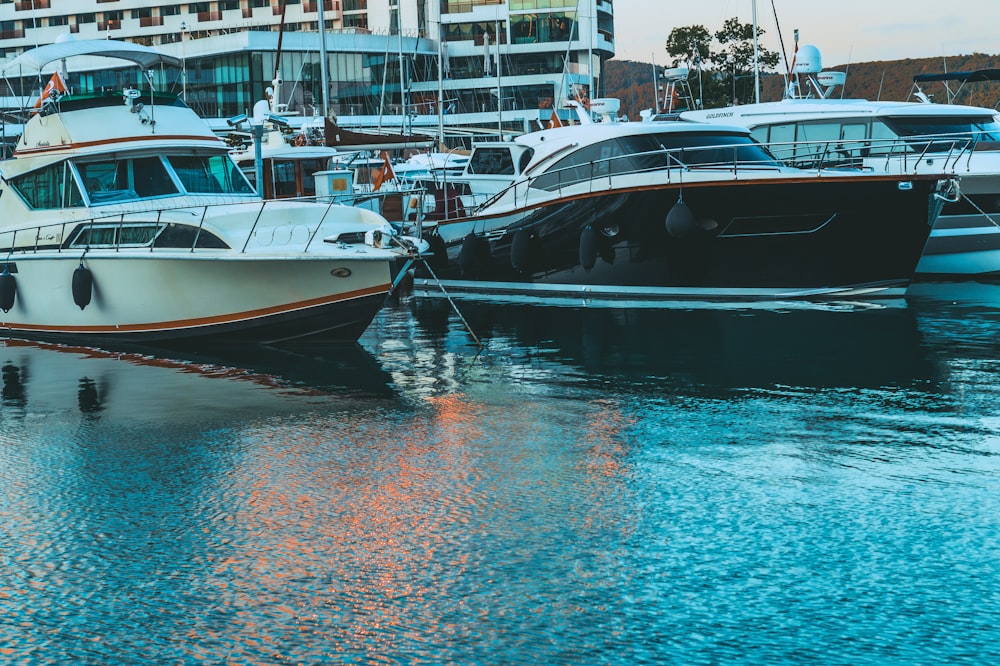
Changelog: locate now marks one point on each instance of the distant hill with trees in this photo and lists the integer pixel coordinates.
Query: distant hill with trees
(724, 59)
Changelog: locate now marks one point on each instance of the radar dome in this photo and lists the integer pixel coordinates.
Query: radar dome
(808, 60)
(65, 37)
(828, 79)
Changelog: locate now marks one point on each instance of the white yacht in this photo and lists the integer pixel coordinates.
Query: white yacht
(813, 127)
(123, 217)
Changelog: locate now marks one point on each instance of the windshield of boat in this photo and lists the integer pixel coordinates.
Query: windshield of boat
(654, 151)
(136, 178)
(213, 174)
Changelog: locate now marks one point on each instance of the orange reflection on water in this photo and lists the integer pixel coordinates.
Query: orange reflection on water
(354, 541)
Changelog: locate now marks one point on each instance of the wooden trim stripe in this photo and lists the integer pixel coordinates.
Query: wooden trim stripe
(202, 321)
(214, 142)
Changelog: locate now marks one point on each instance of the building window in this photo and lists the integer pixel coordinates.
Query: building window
(550, 27)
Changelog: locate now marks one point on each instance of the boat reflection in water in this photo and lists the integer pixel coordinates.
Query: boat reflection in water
(723, 347)
(182, 388)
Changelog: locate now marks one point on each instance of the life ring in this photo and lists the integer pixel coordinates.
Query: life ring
(300, 140)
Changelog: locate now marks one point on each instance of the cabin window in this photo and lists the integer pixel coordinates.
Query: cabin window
(955, 132)
(698, 149)
(47, 188)
(781, 140)
(491, 161)
(216, 174)
(115, 235)
(143, 234)
(283, 173)
(187, 236)
(883, 139)
(112, 181)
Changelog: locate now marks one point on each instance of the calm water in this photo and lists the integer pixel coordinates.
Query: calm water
(629, 486)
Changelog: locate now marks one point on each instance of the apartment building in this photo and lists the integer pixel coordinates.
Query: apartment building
(391, 63)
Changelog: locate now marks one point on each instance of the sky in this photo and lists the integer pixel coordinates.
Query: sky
(845, 31)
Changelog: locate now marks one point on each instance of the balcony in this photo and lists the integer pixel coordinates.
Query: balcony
(310, 7)
(149, 21)
(12, 34)
(204, 17)
(28, 5)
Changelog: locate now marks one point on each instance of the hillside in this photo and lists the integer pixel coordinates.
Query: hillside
(631, 81)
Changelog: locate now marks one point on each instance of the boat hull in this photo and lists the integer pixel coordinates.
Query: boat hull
(752, 239)
(965, 241)
(187, 297)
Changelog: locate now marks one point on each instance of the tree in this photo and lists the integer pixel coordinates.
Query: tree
(691, 44)
(735, 61)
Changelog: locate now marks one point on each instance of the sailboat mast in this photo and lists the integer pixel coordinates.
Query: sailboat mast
(499, 95)
(324, 78)
(276, 81)
(756, 57)
(440, 104)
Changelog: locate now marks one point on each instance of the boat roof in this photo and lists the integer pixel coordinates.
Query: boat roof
(36, 59)
(965, 77)
(583, 134)
(751, 115)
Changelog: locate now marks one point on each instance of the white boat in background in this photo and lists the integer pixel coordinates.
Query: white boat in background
(123, 217)
(813, 127)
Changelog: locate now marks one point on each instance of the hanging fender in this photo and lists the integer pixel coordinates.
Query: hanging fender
(83, 286)
(680, 220)
(473, 254)
(8, 290)
(520, 250)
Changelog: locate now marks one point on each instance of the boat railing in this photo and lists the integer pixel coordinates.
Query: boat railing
(898, 156)
(893, 155)
(138, 229)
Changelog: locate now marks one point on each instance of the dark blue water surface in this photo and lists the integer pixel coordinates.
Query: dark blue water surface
(596, 486)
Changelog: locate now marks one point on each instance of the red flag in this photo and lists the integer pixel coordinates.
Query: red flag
(55, 84)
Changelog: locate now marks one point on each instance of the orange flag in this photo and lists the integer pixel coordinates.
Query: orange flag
(55, 84)
(554, 120)
(386, 173)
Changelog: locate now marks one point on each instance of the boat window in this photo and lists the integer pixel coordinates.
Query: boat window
(114, 235)
(284, 178)
(711, 149)
(186, 236)
(525, 159)
(50, 187)
(215, 174)
(955, 132)
(883, 139)
(645, 152)
(309, 169)
(491, 161)
(112, 181)
(781, 141)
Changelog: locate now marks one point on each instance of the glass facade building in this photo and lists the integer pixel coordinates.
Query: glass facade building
(388, 61)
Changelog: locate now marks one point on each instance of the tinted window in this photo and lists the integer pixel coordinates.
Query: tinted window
(644, 152)
(492, 161)
(216, 174)
(51, 187)
(111, 181)
(955, 132)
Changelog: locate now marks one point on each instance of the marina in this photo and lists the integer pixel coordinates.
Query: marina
(381, 332)
(612, 486)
